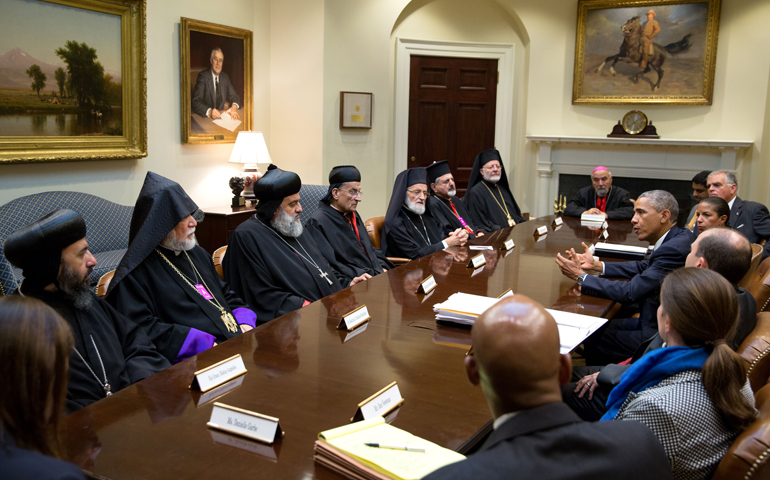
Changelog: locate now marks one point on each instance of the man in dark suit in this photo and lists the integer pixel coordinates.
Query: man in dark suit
(213, 94)
(720, 249)
(750, 218)
(654, 221)
(601, 198)
(516, 361)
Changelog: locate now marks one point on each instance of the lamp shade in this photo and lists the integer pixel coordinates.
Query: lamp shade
(250, 148)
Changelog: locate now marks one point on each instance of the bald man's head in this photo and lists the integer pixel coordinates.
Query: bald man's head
(516, 356)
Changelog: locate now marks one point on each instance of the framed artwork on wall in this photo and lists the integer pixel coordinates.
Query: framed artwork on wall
(216, 81)
(78, 91)
(356, 110)
(646, 52)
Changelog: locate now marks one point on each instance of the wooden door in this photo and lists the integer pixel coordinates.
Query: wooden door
(451, 112)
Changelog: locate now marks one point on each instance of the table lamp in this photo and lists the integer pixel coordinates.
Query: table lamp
(249, 149)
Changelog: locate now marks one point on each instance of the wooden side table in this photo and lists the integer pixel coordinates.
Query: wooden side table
(220, 223)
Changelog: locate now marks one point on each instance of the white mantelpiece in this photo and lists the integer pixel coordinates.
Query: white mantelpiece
(633, 157)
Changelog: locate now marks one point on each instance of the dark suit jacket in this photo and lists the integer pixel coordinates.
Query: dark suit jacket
(619, 207)
(20, 464)
(751, 219)
(646, 277)
(551, 442)
(203, 94)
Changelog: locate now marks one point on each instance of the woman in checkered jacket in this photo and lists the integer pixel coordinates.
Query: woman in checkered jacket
(693, 394)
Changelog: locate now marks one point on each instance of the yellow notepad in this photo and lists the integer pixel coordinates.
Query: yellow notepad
(399, 464)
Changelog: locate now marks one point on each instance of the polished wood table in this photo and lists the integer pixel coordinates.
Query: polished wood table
(311, 376)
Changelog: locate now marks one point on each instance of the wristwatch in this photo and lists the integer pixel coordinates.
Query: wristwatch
(582, 279)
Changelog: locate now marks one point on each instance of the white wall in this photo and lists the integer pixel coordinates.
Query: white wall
(202, 170)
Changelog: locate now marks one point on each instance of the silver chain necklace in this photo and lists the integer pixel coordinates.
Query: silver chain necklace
(309, 259)
(106, 384)
(426, 240)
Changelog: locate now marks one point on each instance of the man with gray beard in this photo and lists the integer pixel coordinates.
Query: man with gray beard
(111, 351)
(168, 284)
(489, 198)
(449, 212)
(272, 261)
(601, 198)
(410, 230)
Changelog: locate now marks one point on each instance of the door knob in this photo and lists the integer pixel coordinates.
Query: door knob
(413, 159)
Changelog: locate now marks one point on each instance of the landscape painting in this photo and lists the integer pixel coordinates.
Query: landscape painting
(63, 74)
(646, 52)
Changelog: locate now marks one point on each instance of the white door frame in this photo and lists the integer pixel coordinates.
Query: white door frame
(503, 52)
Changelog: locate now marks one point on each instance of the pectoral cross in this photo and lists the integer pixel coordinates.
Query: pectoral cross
(325, 276)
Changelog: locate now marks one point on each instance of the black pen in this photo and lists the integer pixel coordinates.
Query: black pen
(395, 447)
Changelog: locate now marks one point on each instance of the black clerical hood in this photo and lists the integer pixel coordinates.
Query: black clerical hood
(36, 248)
(272, 188)
(436, 170)
(482, 159)
(339, 175)
(404, 180)
(161, 205)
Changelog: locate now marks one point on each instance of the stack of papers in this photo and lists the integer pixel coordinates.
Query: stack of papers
(464, 309)
(344, 451)
(592, 218)
(227, 122)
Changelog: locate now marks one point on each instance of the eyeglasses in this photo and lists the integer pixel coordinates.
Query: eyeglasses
(354, 192)
(419, 193)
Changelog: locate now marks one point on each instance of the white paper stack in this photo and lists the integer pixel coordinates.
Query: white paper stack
(592, 218)
(463, 308)
(574, 328)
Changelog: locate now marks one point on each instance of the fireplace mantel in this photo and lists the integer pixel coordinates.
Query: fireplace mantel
(676, 159)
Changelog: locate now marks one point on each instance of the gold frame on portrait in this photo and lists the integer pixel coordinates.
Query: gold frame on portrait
(133, 142)
(187, 25)
(709, 60)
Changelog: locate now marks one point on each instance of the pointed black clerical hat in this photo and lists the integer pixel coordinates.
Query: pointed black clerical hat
(36, 248)
(437, 169)
(272, 188)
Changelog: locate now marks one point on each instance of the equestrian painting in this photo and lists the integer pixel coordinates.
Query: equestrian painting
(635, 52)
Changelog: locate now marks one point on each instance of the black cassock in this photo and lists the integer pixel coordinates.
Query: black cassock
(127, 353)
(413, 236)
(442, 211)
(487, 210)
(619, 207)
(349, 256)
(264, 271)
(177, 318)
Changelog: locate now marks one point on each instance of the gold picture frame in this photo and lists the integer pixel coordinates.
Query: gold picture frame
(609, 68)
(198, 41)
(132, 142)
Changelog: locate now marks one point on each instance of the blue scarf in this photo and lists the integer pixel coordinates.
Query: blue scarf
(650, 370)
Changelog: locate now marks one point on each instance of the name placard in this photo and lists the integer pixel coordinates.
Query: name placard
(477, 261)
(427, 285)
(244, 423)
(380, 404)
(605, 234)
(557, 222)
(354, 319)
(218, 373)
(220, 391)
(541, 230)
(508, 245)
(605, 225)
(507, 293)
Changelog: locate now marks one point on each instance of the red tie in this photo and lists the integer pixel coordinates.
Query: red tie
(460, 218)
(351, 218)
(601, 203)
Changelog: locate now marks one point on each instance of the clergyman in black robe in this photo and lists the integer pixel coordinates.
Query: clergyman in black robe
(272, 261)
(489, 199)
(448, 211)
(337, 224)
(410, 230)
(601, 198)
(168, 284)
(111, 351)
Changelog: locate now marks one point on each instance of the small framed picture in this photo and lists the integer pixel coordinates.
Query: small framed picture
(356, 110)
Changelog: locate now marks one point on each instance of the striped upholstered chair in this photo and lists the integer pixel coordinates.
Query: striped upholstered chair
(309, 196)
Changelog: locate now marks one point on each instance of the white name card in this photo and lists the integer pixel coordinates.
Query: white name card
(507, 293)
(380, 404)
(605, 225)
(541, 230)
(477, 261)
(427, 285)
(244, 423)
(244, 444)
(220, 391)
(354, 319)
(218, 373)
(557, 222)
(508, 245)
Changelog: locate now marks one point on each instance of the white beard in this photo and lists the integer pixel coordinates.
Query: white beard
(286, 225)
(413, 207)
(452, 192)
(491, 178)
(172, 243)
(602, 191)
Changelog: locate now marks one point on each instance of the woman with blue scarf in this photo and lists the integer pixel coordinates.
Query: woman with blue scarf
(693, 394)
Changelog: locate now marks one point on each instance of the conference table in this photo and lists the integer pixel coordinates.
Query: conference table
(312, 376)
